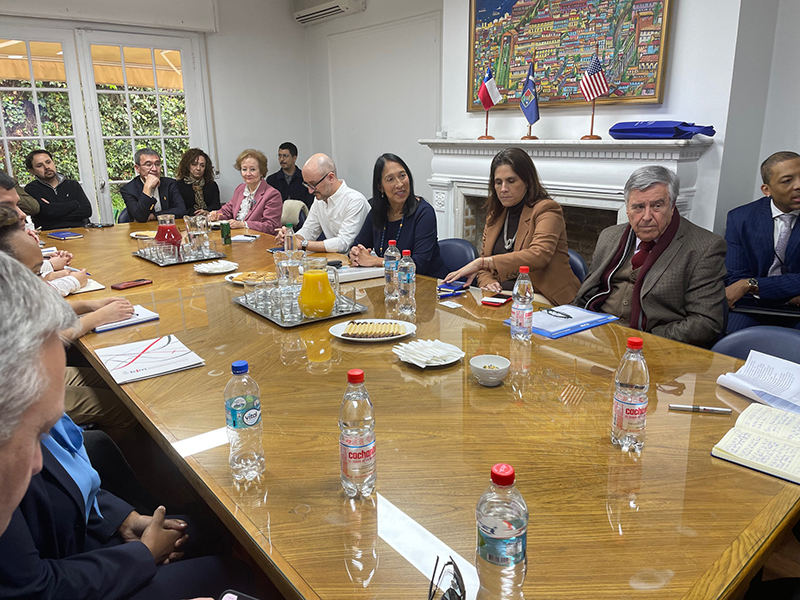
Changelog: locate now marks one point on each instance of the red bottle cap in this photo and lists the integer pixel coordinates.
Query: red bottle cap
(406, 252)
(635, 343)
(524, 269)
(393, 242)
(355, 376)
(503, 474)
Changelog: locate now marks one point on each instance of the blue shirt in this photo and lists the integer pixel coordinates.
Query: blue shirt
(65, 443)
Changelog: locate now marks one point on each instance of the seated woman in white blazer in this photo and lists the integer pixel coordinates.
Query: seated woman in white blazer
(255, 204)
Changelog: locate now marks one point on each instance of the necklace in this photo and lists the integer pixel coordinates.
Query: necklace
(383, 234)
(508, 243)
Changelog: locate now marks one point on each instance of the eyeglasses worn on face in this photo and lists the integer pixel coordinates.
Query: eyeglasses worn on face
(455, 591)
(150, 164)
(312, 186)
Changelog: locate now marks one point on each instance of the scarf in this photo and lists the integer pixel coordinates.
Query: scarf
(638, 318)
(197, 186)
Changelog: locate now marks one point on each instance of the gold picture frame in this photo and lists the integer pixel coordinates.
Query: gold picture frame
(632, 37)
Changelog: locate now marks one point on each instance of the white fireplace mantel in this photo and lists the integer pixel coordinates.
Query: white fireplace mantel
(584, 173)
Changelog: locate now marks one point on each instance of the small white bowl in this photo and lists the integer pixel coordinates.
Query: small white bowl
(489, 377)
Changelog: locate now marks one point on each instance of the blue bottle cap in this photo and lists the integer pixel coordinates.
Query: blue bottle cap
(239, 367)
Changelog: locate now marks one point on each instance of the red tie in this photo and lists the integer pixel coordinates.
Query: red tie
(641, 254)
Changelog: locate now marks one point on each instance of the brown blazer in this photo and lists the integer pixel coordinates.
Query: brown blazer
(542, 245)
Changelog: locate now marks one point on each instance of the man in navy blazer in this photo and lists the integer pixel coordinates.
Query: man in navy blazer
(149, 194)
(763, 258)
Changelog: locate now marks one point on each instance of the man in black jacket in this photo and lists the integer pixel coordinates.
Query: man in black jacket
(62, 201)
(149, 194)
(289, 180)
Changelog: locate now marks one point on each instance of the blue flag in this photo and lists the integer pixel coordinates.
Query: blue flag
(529, 102)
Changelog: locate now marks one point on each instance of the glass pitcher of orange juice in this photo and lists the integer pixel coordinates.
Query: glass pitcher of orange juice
(316, 295)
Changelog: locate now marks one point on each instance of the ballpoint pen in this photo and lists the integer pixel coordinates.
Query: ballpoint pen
(451, 294)
(715, 410)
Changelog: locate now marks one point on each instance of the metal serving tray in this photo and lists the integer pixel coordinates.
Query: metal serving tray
(211, 256)
(357, 309)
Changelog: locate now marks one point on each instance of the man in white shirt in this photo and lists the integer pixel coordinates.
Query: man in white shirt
(338, 211)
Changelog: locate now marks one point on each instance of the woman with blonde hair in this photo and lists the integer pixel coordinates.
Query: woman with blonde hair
(255, 204)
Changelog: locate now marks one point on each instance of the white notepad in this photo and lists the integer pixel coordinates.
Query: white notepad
(358, 273)
(140, 315)
(91, 286)
(149, 358)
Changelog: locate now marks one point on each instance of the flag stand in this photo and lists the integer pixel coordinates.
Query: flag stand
(486, 135)
(591, 135)
(529, 136)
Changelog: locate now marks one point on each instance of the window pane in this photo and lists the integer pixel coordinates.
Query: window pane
(173, 115)
(14, 69)
(48, 65)
(119, 159)
(107, 66)
(113, 114)
(139, 69)
(54, 113)
(18, 150)
(19, 114)
(117, 203)
(144, 114)
(65, 156)
(168, 69)
(3, 164)
(174, 149)
(152, 143)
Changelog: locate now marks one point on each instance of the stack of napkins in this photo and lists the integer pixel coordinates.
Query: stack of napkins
(428, 353)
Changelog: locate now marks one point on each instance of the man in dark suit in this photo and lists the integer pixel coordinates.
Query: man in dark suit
(289, 180)
(149, 194)
(763, 257)
(658, 273)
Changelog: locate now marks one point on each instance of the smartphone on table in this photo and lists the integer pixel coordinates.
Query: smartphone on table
(129, 284)
(497, 299)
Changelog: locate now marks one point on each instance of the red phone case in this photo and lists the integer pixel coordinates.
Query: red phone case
(129, 284)
(506, 301)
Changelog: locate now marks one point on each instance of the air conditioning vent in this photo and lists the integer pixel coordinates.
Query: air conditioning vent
(310, 12)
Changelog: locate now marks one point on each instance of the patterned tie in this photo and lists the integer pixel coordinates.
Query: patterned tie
(777, 267)
(641, 254)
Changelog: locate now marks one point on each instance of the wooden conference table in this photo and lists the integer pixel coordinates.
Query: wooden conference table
(676, 523)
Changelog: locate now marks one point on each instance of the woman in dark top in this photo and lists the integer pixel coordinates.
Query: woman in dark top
(397, 214)
(195, 179)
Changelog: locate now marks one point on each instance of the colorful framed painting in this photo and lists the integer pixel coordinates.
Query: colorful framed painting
(631, 38)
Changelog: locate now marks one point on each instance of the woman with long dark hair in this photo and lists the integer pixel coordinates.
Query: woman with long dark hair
(523, 227)
(398, 214)
(195, 179)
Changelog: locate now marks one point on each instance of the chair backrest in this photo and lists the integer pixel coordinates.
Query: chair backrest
(123, 217)
(578, 265)
(294, 212)
(456, 253)
(782, 342)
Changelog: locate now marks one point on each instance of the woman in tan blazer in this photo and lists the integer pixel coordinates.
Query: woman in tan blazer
(523, 227)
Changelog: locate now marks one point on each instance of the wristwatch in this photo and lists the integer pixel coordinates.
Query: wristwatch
(304, 244)
(753, 283)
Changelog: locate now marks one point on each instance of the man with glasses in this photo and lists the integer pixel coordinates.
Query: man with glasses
(338, 212)
(658, 273)
(149, 194)
(289, 180)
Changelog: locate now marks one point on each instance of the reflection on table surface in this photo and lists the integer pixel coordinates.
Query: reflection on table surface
(671, 523)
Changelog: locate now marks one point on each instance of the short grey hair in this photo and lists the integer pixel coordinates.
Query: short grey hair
(32, 312)
(646, 177)
(144, 152)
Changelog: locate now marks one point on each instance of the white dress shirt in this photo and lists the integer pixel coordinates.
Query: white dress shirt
(66, 285)
(340, 219)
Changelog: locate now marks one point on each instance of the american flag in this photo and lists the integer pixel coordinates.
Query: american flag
(593, 83)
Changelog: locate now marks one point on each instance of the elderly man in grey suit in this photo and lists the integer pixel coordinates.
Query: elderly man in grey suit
(659, 273)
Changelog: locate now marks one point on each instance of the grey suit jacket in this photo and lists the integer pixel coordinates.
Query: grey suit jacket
(683, 292)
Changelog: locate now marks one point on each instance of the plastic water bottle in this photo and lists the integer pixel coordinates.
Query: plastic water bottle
(501, 557)
(390, 259)
(407, 283)
(289, 241)
(243, 418)
(357, 440)
(629, 414)
(522, 308)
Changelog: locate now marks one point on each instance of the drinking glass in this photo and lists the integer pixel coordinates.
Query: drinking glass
(272, 300)
(290, 308)
(347, 298)
(146, 247)
(287, 266)
(251, 294)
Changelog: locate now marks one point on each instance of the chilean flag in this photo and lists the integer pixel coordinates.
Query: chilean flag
(488, 93)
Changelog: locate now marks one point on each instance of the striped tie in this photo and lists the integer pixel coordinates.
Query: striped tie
(777, 267)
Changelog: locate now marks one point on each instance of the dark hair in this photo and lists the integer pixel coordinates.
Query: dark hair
(774, 159)
(188, 158)
(9, 225)
(31, 154)
(380, 204)
(523, 166)
(7, 182)
(144, 152)
(290, 147)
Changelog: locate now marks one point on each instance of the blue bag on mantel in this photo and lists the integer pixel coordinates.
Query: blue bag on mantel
(658, 130)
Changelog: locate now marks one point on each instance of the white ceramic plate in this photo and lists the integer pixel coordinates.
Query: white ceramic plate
(216, 268)
(143, 235)
(338, 329)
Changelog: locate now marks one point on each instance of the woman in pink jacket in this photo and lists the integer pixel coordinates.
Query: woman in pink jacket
(255, 203)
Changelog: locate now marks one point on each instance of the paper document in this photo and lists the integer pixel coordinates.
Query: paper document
(245, 238)
(140, 315)
(766, 379)
(558, 321)
(359, 273)
(149, 358)
(91, 286)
